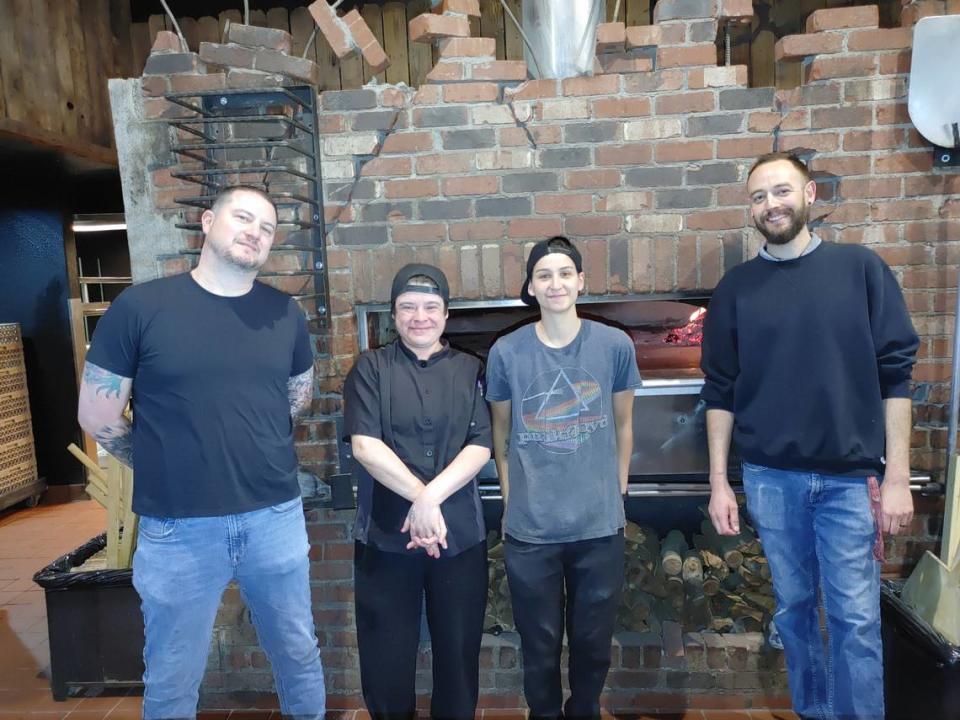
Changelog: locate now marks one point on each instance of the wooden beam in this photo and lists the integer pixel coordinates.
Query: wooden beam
(23, 136)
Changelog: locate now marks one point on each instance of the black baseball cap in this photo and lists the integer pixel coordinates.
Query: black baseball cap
(556, 244)
(401, 282)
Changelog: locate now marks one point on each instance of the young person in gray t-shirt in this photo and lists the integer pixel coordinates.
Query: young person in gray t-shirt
(561, 394)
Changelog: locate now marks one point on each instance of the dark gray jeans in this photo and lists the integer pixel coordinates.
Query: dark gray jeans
(572, 585)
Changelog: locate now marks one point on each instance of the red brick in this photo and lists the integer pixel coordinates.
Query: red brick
(500, 70)
(512, 137)
(668, 152)
(611, 37)
(827, 117)
(160, 108)
(824, 68)
(447, 71)
(468, 47)
(900, 255)
(797, 47)
(256, 37)
(733, 9)
(167, 42)
(622, 64)
(859, 140)
(932, 185)
(869, 188)
(903, 210)
(562, 204)
(532, 90)
(444, 163)
(887, 39)
(386, 167)
(821, 142)
(716, 220)
(535, 228)
(582, 179)
(636, 154)
(904, 163)
(483, 185)
(597, 85)
(154, 85)
(410, 188)
(462, 7)
(743, 147)
(841, 166)
(687, 55)
(546, 134)
(477, 230)
(839, 18)
(408, 142)
(686, 103)
(427, 95)
(332, 28)
(592, 225)
(892, 114)
(471, 92)
(376, 57)
(895, 63)
(419, 233)
(643, 36)
(428, 27)
(621, 107)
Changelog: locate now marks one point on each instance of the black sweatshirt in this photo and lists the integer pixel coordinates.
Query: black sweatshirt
(803, 352)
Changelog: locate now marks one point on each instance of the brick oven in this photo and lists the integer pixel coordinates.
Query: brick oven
(642, 164)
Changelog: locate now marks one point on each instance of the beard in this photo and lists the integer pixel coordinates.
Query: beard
(798, 219)
(235, 256)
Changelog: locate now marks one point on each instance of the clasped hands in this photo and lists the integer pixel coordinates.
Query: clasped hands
(425, 524)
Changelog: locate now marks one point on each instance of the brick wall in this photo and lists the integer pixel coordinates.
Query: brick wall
(643, 165)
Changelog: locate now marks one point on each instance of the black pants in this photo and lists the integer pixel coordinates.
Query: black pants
(390, 588)
(576, 584)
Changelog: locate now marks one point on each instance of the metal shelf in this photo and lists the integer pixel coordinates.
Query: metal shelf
(218, 113)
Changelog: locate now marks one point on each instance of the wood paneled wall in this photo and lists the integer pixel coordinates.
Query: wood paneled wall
(55, 59)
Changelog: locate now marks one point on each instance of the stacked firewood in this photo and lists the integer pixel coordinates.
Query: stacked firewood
(499, 617)
(713, 582)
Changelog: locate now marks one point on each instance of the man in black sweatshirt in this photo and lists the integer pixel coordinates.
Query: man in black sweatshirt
(808, 351)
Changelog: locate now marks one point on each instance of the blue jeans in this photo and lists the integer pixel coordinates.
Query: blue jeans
(180, 570)
(817, 533)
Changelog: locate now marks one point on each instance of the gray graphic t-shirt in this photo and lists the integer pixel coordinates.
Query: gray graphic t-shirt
(562, 447)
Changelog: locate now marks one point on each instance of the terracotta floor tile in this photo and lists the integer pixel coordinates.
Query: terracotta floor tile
(34, 699)
(726, 714)
(773, 715)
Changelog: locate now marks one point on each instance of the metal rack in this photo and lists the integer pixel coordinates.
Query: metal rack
(267, 138)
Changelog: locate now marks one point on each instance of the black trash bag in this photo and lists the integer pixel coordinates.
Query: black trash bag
(57, 575)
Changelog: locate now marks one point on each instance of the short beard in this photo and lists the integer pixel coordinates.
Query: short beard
(799, 219)
(239, 262)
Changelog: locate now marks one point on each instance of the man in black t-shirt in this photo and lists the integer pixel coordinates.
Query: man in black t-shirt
(420, 432)
(217, 367)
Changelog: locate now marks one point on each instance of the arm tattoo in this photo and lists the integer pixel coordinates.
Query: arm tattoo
(104, 382)
(117, 439)
(300, 393)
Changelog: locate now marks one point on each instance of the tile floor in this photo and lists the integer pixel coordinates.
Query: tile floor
(32, 538)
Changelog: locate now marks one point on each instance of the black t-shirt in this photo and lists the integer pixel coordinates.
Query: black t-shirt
(434, 409)
(212, 432)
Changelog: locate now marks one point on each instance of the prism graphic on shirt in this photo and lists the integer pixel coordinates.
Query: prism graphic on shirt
(561, 409)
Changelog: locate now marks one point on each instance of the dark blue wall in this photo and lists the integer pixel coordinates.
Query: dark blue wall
(33, 292)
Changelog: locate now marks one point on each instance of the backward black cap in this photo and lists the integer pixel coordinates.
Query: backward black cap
(402, 279)
(556, 244)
